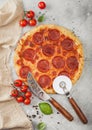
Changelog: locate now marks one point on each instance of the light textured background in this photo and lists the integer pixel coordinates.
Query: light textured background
(76, 15)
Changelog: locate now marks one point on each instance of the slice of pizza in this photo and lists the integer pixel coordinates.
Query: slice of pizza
(48, 51)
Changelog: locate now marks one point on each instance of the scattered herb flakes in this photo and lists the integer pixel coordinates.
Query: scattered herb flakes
(40, 117)
(58, 122)
(35, 106)
(41, 18)
(33, 116)
(53, 18)
(41, 126)
(58, 113)
(29, 116)
(37, 112)
(45, 108)
(39, 12)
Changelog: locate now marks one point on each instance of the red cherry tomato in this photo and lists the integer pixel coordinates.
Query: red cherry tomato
(41, 5)
(18, 82)
(27, 101)
(32, 22)
(14, 93)
(28, 94)
(30, 14)
(20, 99)
(23, 22)
(24, 88)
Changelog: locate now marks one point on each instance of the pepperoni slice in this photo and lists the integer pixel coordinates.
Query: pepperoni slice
(24, 71)
(36, 74)
(48, 50)
(54, 73)
(38, 38)
(58, 62)
(54, 34)
(29, 54)
(67, 44)
(19, 62)
(72, 63)
(64, 73)
(43, 65)
(44, 81)
(26, 42)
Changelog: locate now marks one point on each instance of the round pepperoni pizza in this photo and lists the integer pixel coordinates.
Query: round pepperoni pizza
(48, 51)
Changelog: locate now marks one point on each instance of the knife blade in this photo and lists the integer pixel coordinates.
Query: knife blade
(39, 92)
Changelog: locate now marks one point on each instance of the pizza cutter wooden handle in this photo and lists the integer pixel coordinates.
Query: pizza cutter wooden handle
(61, 109)
(78, 110)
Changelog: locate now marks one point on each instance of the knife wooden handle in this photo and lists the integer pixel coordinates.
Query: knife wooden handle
(78, 110)
(61, 109)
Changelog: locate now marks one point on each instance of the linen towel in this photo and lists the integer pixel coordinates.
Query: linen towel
(12, 116)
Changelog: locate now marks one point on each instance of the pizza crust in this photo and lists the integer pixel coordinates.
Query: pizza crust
(64, 31)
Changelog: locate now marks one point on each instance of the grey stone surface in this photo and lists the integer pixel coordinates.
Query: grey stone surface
(76, 15)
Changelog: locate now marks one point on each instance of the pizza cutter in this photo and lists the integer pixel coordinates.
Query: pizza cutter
(62, 85)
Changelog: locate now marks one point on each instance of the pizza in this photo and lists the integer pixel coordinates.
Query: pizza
(48, 51)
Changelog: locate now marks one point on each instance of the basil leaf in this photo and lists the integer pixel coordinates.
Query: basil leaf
(41, 126)
(41, 18)
(45, 108)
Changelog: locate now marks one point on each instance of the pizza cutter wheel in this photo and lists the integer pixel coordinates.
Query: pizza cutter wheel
(62, 85)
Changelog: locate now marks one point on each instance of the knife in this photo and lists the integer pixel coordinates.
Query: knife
(39, 92)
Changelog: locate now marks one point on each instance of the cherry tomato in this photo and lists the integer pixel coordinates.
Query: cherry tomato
(32, 22)
(24, 88)
(14, 93)
(28, 94)
(23, 22)
(27, 101)
(20, 99)
(41, 5)
(18, 82)
(30, 14)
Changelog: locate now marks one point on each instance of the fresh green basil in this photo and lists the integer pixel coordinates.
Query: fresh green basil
(41, 126)
(41, 18)
(45, 108)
